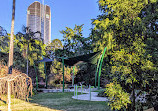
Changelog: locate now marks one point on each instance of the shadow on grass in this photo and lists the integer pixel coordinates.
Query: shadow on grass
(3, 102)
(64, 101)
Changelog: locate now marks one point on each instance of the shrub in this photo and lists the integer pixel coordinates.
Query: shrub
(102, 93)
(34, 91)
(118, 98)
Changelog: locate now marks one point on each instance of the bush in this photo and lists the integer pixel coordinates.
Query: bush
(102, 93)
(118, 98)
(34, 91)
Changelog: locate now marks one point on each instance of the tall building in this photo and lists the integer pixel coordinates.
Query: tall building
(39, 19)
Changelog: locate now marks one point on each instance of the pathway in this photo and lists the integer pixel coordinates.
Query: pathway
(79, 97)
(93, 97)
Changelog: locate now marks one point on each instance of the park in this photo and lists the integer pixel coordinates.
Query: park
(114, 68)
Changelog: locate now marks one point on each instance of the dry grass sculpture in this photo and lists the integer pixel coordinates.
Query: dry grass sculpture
(17, 84)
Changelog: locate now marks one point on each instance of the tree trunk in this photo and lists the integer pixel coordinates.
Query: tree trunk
(10, 62)
(133, 102)
(27, 71)
(27, 66)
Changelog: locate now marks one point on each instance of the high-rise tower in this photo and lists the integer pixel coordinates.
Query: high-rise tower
(39, 19)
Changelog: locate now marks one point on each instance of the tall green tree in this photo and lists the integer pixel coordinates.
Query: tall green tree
(123, 31)
(149, 16)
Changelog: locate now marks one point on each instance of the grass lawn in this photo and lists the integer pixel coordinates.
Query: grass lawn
(55, 102)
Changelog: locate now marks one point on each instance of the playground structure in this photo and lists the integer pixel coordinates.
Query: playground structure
(72, 62)
(87, 94)
(76, 91)
(99, 66)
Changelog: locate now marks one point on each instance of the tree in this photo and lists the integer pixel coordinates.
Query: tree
(31, 45)
(10, 63)
(57, 73)
(123, 31)
(149, 18)
(3, 32)
(4, 40)
(51, 48)
(74, 42)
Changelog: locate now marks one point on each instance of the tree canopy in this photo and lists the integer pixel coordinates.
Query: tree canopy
(130, 32)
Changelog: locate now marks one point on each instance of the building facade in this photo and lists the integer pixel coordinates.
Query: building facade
(39, 19)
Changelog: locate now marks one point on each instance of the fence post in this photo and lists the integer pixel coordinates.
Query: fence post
(9, 96)
(81, 88)
(90, 92)
(74, 90)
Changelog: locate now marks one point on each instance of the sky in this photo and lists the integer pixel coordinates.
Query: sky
(64, 13)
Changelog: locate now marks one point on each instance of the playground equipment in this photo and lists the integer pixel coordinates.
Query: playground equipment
(63, 70)
(73, 75)
(90, 58)
(97, 71)
(99, 66)
(45, 60)
(76, 91)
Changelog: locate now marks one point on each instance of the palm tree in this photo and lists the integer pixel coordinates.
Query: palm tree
(10, 63)
(27, 38)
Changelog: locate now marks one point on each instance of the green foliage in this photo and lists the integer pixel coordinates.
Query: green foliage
(31, 47)
(34, 91)
(74, 42)
(57, 73)
(52, 49)
(41, 69)
(117, 96)
(86, 73)
(4, 40)
(23, 41)
(102, 93)
(129, 30)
